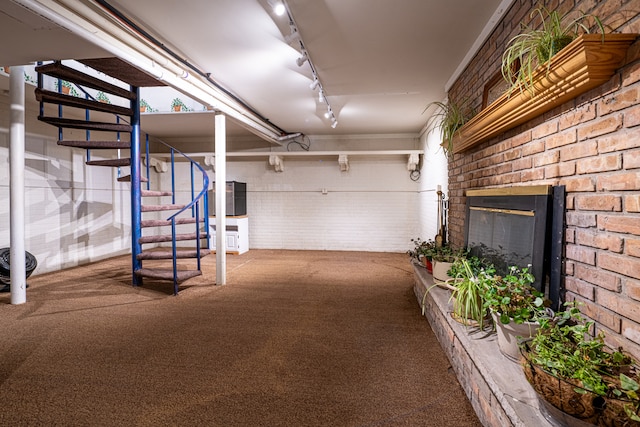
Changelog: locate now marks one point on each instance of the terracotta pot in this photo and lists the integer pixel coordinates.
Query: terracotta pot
(428, 264)
(508, 335)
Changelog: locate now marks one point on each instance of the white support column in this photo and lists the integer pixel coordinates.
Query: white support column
(221, 198)
(17, 256)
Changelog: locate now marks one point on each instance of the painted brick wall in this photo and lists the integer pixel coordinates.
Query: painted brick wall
(592, 146)
(75, 213)
(371, 207)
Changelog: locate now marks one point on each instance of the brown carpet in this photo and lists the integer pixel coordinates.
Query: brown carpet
(294, 339)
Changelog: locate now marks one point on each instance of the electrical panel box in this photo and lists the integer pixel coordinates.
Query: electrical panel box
(236, 199)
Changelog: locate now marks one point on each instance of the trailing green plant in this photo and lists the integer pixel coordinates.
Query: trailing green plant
(459, 268)
(448, 118)
(102, 97)
(443, 253)
(468, 289)
(177, 102)
(564, 347)
(514, 299)
(534, 46)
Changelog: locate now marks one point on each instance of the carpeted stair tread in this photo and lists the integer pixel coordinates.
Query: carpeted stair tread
(163, 222)
(155, 193)
(183, 254)
(164, 274)
(62, 72)
(160, 238)
(110, 162)
(158, 208)
(127, 178)
(49, 96)
(95, 144)
(87, 125)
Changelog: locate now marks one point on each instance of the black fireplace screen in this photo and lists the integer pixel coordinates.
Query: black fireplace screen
(511, 227)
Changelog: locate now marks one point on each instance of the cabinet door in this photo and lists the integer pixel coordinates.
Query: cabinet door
(232, 241)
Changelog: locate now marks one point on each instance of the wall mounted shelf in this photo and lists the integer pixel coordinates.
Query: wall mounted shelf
(276, 158)
(584, 64)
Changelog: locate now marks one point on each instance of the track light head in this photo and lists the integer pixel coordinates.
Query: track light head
(321, 96)
(314, 84)
(294, 35)
(334, 124)
(300, 61)
(278, 7)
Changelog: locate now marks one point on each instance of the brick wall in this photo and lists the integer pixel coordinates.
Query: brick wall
(592, 146)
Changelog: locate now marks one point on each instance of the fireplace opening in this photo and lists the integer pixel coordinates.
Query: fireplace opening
(519, 226)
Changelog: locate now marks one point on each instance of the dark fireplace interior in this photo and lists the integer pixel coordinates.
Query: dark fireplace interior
(519, 226)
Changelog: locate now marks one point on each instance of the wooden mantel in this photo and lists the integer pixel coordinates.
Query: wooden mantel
(585, 63)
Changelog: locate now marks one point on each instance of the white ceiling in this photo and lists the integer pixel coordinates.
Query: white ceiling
(380, 61)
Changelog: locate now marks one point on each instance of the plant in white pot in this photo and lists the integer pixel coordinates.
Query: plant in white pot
(442, 257)
(515, 306)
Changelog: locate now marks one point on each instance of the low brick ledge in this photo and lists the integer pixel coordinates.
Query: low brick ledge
(494, 384)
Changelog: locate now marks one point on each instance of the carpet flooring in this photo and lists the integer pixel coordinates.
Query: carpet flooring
(296, 338)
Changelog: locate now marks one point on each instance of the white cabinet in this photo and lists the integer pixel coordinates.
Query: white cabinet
(237, 235)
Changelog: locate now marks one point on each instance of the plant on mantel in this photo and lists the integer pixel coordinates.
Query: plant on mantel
(588, 61)
(534, 47)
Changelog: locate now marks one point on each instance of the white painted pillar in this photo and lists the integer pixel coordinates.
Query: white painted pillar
(16, 187)
(221, 196)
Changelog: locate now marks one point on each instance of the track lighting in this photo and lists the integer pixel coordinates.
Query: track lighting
(295, 35)
(300, 61)
(292, 36)
(278, 7)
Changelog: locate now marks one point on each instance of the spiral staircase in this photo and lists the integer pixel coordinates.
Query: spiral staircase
(164, 221)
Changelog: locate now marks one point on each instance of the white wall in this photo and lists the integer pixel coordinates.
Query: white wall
(74, 213)
(371, 207)
(433, 173)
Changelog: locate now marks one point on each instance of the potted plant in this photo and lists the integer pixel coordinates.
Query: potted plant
(448, 118)
(442, 257)
(535, 46)
(421, 252)
(178, 105)
(515, 306)
(102, 97)
(468, 289)
(67, 88)
(577, 377)
(145, 107)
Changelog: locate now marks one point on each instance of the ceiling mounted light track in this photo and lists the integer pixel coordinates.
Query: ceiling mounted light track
(295, 35)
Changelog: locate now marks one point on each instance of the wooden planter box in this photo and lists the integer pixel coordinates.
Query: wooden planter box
(584, 64)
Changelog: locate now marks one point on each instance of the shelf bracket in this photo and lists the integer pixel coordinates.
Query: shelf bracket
(158, 165)
(343, 161)
(277, 162)
(210, 160)
(413, 163)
